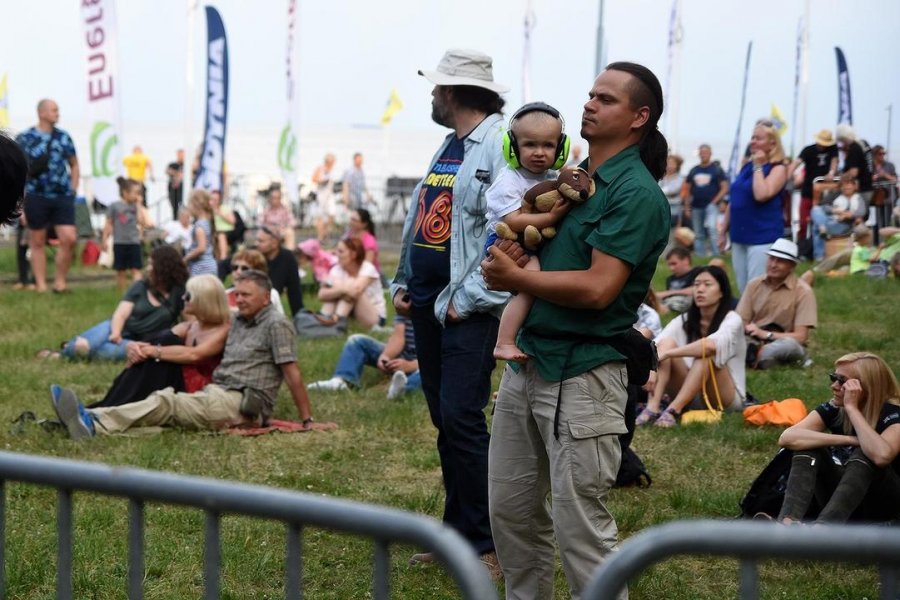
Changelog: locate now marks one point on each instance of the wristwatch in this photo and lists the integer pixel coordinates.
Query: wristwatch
(770, 337)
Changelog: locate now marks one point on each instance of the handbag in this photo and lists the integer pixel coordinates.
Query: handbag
(710, 414)
(37, 166)
(308, 325)
(784, 413)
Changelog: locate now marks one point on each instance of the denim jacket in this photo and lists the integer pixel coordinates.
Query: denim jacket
(482, 163)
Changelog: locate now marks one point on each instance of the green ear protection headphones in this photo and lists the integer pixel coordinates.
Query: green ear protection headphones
(511, 145)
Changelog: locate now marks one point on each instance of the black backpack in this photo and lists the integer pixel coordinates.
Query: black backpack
(766, 493)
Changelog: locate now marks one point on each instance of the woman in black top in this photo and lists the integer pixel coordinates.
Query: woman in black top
(860, 427)
(148, 306)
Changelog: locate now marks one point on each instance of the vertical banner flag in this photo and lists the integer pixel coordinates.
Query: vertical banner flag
(798, 67)
(779, 123)
(211, 174)
(736, 147)
(102, 84)
(394, 105)
(845, 108)
(673, 73)
(526, 54)
(287, 141)
(4, 103)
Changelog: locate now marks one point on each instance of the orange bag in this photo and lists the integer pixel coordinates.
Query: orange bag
(784, 413)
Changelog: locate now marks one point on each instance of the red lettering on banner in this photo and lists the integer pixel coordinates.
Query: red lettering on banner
(98, 92)
(100, 83)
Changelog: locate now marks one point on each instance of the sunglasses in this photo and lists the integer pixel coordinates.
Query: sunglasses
(838, 378)
(186, 297)
(240, 268)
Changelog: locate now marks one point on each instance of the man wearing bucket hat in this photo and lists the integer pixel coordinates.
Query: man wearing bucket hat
(779, 309)
(818, 160)
(438, 284)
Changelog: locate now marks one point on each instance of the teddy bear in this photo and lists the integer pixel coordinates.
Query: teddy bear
(573, 183)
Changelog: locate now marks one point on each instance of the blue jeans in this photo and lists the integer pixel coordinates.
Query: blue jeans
(705, 228)
(456, 362)
(361, 350)
(749, 262)
(100, 346)
(832, 227)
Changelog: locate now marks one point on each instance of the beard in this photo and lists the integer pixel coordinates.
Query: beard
(439, 115)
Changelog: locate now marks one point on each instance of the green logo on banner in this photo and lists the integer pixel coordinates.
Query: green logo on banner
(103, 141)
(287, 147)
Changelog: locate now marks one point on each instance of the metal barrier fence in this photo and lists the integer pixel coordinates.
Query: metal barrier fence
(215, 498)
(750, 542)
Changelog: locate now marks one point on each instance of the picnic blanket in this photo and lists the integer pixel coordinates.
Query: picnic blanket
(282, 426)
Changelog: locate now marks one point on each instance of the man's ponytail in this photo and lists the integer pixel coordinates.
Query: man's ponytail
(647, 91)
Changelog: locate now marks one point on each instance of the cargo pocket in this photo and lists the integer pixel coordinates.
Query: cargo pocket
(591, 452)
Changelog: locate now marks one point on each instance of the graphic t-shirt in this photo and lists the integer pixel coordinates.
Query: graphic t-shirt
(429, 256)
(124, 222)
(816, 163)
(705, 182)
(833, 417)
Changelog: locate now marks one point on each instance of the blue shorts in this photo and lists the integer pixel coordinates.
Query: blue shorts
(127, 256)
(42, 211)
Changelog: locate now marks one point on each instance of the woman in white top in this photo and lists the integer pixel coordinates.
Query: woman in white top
(709, 328)
(353, 287)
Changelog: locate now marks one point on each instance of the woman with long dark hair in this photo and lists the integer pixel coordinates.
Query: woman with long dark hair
(709, 329)
(861, 420)
(362, 228)
(150, 305)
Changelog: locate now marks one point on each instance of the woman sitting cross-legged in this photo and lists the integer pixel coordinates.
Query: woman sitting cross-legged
(700, 351)
(861, 422)
(182, 358)
(353, 287)
(148, 306)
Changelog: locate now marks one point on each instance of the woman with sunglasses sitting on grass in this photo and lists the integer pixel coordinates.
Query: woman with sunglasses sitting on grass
(701, 353)
(861, 422)
(183, 357)
(250, 260)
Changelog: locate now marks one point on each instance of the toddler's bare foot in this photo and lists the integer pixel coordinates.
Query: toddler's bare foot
(509, 352)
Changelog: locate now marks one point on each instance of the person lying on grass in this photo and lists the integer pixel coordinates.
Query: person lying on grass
(709, 329)
(260, 352)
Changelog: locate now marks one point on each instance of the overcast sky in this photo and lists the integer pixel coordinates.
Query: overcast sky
(352, 52)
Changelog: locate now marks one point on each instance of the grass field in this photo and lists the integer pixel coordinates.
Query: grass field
(383, 453)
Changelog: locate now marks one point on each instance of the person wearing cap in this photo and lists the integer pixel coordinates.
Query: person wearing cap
(438, 284)
(779, 309)
(818, 160)
(558, 417)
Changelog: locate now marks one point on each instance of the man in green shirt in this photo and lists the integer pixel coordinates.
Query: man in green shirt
(558, 417)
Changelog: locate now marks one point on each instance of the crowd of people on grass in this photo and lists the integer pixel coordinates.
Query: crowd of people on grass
(563, 315)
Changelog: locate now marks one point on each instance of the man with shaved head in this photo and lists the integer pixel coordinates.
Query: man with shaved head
(50, 193)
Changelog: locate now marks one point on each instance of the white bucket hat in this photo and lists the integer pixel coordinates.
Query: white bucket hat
(785, 249)
(465, 67)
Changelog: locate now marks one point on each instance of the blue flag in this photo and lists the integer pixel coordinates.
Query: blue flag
(210, 176)
(845, 107)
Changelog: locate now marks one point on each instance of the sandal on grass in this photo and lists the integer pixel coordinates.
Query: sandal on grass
(646, 417)
(666, 419)
(47, 353)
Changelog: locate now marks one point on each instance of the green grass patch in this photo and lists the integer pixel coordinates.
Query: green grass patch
(384, 453)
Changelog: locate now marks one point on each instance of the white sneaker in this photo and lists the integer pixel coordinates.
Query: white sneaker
(335, 384)
(398, 384)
